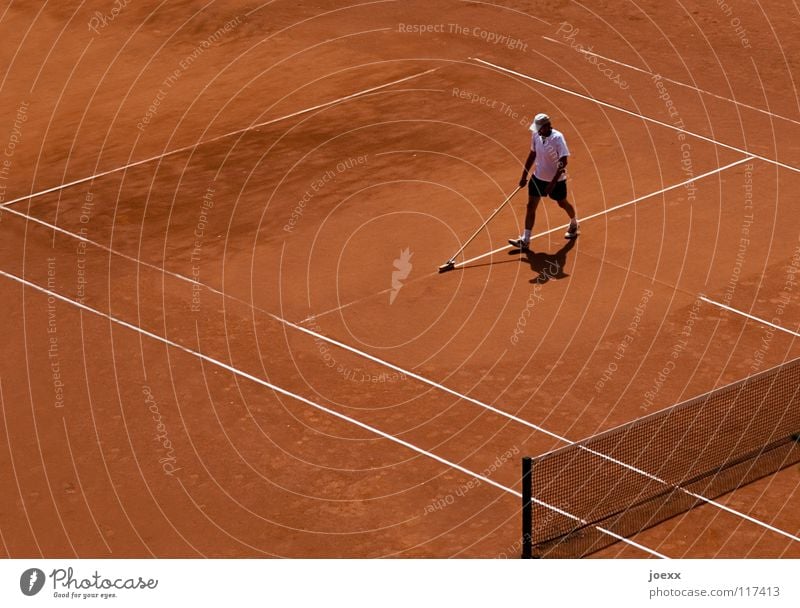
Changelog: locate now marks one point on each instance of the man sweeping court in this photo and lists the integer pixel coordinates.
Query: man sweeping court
(550, 153)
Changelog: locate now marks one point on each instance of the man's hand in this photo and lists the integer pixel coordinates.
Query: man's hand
(523, 181)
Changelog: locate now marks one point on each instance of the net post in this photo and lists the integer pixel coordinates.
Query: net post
(527, 507)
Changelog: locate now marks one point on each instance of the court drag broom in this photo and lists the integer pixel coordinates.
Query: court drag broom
(451, 263)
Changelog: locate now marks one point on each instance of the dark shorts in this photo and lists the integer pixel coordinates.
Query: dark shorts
(537, 187)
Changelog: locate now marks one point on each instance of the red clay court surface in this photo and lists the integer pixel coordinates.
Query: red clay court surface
(206, 351)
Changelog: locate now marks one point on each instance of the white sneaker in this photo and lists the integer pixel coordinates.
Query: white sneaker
(519, 243)
(572, 231)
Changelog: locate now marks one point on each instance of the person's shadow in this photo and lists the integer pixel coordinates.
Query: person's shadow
(547, 266)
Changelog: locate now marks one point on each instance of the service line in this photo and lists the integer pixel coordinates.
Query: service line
(749, 316)
(615, 207)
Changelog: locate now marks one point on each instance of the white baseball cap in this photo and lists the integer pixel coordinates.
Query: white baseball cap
(539, 121)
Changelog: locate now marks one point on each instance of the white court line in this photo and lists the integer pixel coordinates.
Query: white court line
(677, 82)
(640, 116)
(614, 208)
(383, 363)
(500, 412)
(749, 316)
(213, 139)
(313, 404)
(535, 427)
(557, 228)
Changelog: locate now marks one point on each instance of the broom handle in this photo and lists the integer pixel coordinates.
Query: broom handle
(489, 219)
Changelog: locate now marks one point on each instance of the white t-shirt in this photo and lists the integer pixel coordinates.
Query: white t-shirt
(548, 152)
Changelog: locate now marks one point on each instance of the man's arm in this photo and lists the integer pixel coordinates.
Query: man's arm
(562, 165)
(528, 164)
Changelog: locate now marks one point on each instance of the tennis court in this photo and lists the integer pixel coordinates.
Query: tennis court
(226, 335)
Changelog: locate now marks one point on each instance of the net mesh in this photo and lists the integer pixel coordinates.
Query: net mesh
(637, 475)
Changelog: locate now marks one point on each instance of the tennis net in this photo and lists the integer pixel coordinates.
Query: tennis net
(635, 476)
